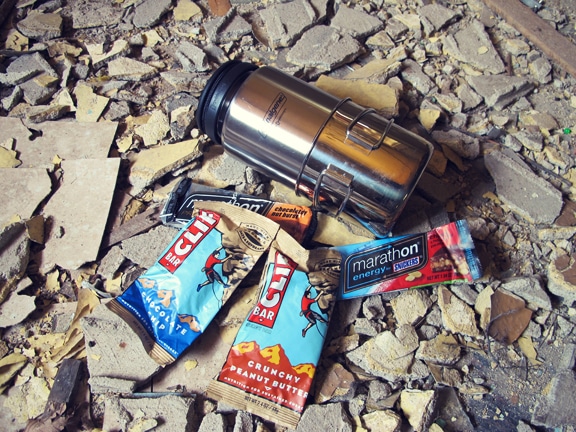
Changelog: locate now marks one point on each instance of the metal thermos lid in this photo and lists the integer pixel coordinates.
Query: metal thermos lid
(218, 90)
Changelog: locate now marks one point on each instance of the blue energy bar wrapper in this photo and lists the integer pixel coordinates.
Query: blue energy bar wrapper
(171, 304)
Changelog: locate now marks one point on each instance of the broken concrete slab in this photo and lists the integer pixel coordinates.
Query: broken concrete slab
(437, 16)
(531, 290)
(149, 165)
(457, 316)
(418, 406)
(355, 22)
(68, 140)
(114, 350)
(499, 91)
(381, 97)
(95, 13)
(144, 249)
(324, 48)
(285, 22)
(562, 277)
(509, 316)
(128, 69)
(528, 195)
(76, 231)
(155, 129)
(25, 189)
(410, 306)
(14, 256)
(316, 418)
(555, 409)
(412, 73)
(191, 57)
(41, 26)
(387, 355)
(228, 28)
(463, 144)
(90, 105)
(472, 45)
(161, 413)
(149, 12)
(220, 169)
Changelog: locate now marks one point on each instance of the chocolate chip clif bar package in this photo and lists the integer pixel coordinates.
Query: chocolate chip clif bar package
(443, 255)
(299, 221)
(171, 304)
(271, 365)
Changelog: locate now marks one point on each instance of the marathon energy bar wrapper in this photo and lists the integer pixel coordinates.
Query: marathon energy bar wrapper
(171, 304)
(270, 367)
(298, 221)
(443, 255)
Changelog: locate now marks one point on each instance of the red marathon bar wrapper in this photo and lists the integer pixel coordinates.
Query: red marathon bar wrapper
(441, 256)
(271, 365)
(298, 221)
(171, 304)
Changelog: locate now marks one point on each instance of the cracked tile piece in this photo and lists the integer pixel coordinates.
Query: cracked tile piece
(457, 316)
(28, 187)
(90, 105)
(77, 213)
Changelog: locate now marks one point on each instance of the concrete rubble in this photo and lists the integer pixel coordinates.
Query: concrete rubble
(98, 105)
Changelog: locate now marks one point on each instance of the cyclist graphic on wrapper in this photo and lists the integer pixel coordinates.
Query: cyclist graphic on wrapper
(312, 316)
(211, 274)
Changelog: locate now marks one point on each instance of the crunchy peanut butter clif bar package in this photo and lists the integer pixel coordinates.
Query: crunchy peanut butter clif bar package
(271, 365)
(171, 304)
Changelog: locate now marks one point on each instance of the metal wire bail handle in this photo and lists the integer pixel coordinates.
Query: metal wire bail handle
(341, 183)
(353, 135)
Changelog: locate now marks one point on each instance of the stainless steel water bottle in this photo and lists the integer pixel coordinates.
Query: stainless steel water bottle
(342, 156)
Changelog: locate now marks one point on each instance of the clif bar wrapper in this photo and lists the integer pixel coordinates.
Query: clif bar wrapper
(271, 365)
(171, 304)
(298, 221)
(443, 255)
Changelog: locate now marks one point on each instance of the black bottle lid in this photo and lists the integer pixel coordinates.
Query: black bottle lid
(216, 95)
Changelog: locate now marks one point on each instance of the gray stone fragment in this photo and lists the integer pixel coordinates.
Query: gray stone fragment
(321, 8)
(355, 22)
(322, 47)
(438, 15)
(395, 29)
(228, 28)
(100, 384)
(541, 70)
(95, 13)
(145, 248)
(320, 418)
(128, 69)
(15, 78)
(568, 359)
(470, 99)
(42, 113)
(36, 94)
(164, 413)
(464, 145)
(243, 422)
(285, 22)
(191, 57)
(412, 72)
(114, 349)
(150, 12)
(557, 408)
(41, 26)
(31, 63)
(499, 91)
(531, 290)
(527, 194)
(532, 140)
(213, 422)
(472, 45)
(12, 99)
(14, 256)
(181, 108)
